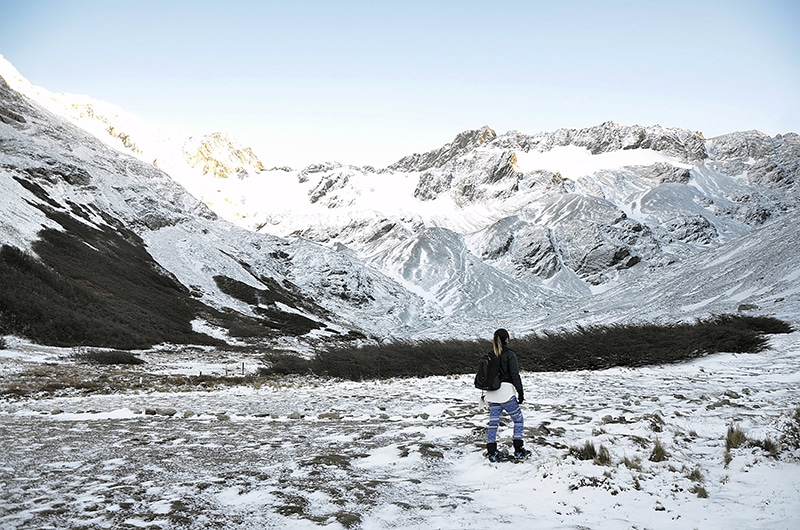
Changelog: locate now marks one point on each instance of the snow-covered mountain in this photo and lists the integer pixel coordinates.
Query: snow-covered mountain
(608, 223)
(57, 176)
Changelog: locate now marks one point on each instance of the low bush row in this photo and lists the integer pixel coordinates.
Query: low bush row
(585, 348)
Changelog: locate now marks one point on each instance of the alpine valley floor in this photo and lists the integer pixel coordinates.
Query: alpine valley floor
(308, 452)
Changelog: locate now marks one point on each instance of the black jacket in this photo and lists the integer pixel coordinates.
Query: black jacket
(509, 368)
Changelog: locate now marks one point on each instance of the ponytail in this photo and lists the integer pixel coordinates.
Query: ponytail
(500, 338)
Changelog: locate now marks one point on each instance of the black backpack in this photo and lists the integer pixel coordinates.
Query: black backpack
(488, 376)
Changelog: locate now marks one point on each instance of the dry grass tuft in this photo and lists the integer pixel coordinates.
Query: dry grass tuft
(659, 453)
(735, 437)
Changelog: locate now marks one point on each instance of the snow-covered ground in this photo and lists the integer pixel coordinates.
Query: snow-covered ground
(317, 453)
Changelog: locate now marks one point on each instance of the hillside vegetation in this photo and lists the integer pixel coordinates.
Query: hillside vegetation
(92, 287)
(585, 348)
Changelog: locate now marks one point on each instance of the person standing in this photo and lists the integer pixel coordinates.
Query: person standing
(507, 398)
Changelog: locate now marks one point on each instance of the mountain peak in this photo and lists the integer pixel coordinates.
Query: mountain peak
(463, 143)
(11, 75)
(220, 156)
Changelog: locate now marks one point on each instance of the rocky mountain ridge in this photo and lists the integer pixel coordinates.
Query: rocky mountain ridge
(680, 194)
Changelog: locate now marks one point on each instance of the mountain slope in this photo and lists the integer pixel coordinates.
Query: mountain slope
(759, 272)
(83, 217)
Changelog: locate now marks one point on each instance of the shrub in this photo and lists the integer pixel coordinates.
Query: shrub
(110, 357)
(700, 491)
(635, 463)
(767, 444)
(766, 325)
(659, 453)
(641, 344)
(656, 421)
(580, 349)
(398, 359)
(735, 437)
(603, 457)
(587, 452)
(790, 430)
(696, 475)
(284, 364)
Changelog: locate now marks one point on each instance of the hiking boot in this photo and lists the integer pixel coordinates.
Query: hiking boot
(498, 456)
(493, 454)
(520, 453)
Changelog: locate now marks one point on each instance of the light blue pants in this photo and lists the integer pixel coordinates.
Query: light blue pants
(496, 410)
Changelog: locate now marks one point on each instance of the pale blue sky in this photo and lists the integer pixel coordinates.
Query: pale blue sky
(367, 82)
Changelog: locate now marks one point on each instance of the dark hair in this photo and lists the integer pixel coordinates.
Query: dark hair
(500, 337)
